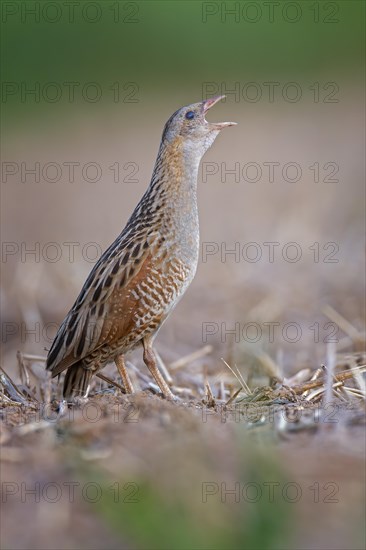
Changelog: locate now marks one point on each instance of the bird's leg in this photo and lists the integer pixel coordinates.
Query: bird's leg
(120, 364)
(151, 363)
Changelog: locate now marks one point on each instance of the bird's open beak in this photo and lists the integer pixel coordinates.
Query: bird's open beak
(207, 104)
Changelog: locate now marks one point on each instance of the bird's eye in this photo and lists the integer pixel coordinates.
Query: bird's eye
(190, 115)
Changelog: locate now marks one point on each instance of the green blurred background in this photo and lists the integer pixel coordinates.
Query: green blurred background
(171, 48)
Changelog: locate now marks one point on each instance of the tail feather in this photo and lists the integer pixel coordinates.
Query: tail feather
(77, 381)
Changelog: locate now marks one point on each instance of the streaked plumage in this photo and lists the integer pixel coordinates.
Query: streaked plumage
(140, 278)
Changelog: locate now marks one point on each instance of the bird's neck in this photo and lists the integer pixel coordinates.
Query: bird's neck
(170, 201)
(176, 171)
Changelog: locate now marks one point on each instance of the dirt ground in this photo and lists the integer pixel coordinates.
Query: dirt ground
(272, 470)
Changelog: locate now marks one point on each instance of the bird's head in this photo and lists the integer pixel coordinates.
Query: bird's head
(188, 128)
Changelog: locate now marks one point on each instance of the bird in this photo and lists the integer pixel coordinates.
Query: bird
(140, 278)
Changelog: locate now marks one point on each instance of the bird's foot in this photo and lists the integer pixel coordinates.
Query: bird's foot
(173, 398)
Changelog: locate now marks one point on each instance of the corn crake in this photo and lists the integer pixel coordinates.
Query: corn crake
(140, 278)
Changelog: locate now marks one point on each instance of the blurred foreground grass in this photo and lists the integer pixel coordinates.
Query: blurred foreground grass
(190, 513)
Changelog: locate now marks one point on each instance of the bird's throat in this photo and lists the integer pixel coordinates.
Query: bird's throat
(177, 168)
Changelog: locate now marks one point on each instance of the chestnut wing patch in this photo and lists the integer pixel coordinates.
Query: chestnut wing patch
(103, 312)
